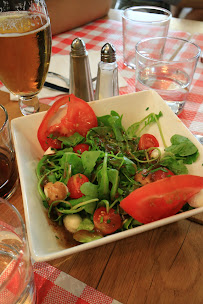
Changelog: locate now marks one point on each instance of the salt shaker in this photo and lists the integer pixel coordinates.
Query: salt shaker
(80, 75)
(107, 74)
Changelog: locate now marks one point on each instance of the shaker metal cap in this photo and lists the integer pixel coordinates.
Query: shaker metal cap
(108, 53)
(78, 47)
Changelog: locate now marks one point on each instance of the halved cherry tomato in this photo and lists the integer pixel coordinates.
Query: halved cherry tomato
(74, 184)
(160, 174)
(80, 148)
(147, 141)
(162, 198)
(105, 222)
(79, 117)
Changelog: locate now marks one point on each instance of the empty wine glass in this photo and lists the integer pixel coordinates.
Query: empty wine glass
(25, 49)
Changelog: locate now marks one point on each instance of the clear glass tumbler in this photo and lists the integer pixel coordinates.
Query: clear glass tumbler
(166, 65)
(8, 167)
(140, 22)
(16, 274)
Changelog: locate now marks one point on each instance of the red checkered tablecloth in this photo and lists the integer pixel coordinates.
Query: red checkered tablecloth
(56, 287)
(97, 33)
(53, 285)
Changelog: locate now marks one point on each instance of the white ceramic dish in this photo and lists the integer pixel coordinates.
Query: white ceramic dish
(43, 243)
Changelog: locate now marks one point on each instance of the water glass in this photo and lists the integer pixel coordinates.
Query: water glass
(8, 168)
(141, 22)
(167, 65)
(16, 274)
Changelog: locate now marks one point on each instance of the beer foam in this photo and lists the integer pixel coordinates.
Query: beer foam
(14, 24)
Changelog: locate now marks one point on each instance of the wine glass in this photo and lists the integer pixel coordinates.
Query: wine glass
(25, 50)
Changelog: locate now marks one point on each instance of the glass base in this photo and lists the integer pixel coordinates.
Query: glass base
(29, 105)
(176, 106)
(129, 62)
(13, 190)
(29, 295)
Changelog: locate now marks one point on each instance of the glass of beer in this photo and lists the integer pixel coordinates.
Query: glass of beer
(25, 50)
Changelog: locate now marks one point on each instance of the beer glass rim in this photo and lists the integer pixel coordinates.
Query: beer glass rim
(20, 257)
(196, 56)
(6, 117)
(155, 8)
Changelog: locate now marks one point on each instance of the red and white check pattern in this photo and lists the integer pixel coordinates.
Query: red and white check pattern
(97, 33)
(192, 115)
(57, 287)
(53, 285)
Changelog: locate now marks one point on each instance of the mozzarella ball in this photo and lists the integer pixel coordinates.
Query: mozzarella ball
(72, 222)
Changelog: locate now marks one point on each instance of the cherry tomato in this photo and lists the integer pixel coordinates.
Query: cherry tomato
(159, 174)
(105, 222)
(78, 117)
(80, 148)
(162, 198)
(74, 184)
(147, 141)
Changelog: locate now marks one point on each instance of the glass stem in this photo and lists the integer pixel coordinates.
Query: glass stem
(29, 105)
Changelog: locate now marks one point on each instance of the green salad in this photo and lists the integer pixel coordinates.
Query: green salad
(83, 183)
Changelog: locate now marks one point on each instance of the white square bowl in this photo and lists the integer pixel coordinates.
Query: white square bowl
(43, 243)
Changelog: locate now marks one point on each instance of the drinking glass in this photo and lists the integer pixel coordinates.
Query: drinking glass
(141, 22)
(25, 50)
(16, 275)
(8, 167)
(167, 65)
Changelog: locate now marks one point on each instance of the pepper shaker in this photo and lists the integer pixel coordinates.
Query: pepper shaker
(107, 74)
(80, 75)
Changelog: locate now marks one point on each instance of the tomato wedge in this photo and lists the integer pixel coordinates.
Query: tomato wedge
(79, 117)
(162, 198)
(105, 222)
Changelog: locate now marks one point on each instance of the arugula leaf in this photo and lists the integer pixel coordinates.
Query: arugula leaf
(85, 236)
(176, 166)
(113, 176)
(183, 148)
(86, 224)
(98, 137)
(89, 189)
(114, 121)
(101, 131)
(103, 120)
(191, 158)
(90, 208)
(103, 181)
(74, 161)
(89, 159)
(132, 131)
(131, 223)
(72, 140)
(129, 165)
(76, 201)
